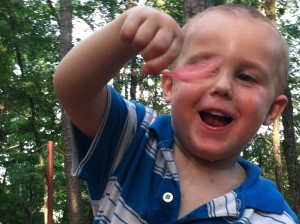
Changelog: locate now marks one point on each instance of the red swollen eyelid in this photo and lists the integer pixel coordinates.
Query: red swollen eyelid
(190, 73)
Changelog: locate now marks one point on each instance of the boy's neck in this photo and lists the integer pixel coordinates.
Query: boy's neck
(228, 173)
(202, 180)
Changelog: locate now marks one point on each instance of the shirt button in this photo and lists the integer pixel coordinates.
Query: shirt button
(168, 197)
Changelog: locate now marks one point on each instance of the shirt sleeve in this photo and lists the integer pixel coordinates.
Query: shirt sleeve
(94, 160)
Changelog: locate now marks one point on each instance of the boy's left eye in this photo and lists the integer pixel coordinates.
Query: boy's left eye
(246, 77)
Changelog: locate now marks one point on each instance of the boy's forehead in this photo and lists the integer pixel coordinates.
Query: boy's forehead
(213, 24)
(219, 17)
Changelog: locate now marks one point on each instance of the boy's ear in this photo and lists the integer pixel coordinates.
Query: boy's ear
(167, 83)
(276, 109)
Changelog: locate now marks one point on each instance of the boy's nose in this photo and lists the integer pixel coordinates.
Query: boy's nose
(222, 86)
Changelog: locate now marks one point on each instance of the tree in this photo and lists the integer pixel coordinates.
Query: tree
(290, 152)
(290, 116)
(73, 185)
(24, 119)
(270, 11)
(192, 7)
(30, 113)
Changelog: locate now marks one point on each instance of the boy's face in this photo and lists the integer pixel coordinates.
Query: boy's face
(217, 115)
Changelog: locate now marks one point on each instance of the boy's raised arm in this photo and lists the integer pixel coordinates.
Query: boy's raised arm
(83, 73)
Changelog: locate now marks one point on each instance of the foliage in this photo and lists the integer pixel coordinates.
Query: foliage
(173, 7)
(28, 46)
(29, 111)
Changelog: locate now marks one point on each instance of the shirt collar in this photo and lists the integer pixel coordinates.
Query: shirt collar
(254, 192)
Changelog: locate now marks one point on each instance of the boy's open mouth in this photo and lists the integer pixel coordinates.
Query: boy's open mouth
(215, 118)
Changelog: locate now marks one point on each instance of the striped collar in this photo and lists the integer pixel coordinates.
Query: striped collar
(255, 192)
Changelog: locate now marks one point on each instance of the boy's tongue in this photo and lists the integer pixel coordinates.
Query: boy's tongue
(215, 120)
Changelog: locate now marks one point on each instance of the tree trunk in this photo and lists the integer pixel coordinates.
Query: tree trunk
(44, 172)
(133, 66)
(270, 11)
(289, 149)
(290, 153)
(133, 79)
(192, 7)
(29, 214)
(74, 200)
(277, 155)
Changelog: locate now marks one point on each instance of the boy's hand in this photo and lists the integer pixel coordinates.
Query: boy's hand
(82, 76)
(153, 33)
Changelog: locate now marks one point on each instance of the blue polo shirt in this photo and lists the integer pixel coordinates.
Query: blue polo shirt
(132, 177)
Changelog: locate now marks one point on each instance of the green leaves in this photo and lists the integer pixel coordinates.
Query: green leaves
(30, 112)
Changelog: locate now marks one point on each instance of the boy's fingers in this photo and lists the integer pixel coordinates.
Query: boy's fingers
(140, 28)
(162, 50)
(144, 35)
(159, 45)
(129, 30)
(156, 65)
(156, 35)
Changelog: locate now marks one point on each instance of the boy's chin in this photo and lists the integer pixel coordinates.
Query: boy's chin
(216, 158)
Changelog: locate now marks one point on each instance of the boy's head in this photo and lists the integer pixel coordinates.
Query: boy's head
(215, 116)
(242, 12)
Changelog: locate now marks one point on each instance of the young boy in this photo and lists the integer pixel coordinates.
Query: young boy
(185, 168)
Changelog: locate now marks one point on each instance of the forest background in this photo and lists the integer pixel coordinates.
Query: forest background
(36, 34)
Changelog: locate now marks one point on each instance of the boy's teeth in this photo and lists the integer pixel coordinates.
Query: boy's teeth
(215, 118)
(217, 113)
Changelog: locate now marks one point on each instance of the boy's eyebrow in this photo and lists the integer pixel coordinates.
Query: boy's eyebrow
(200, 56)
(256, 65)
